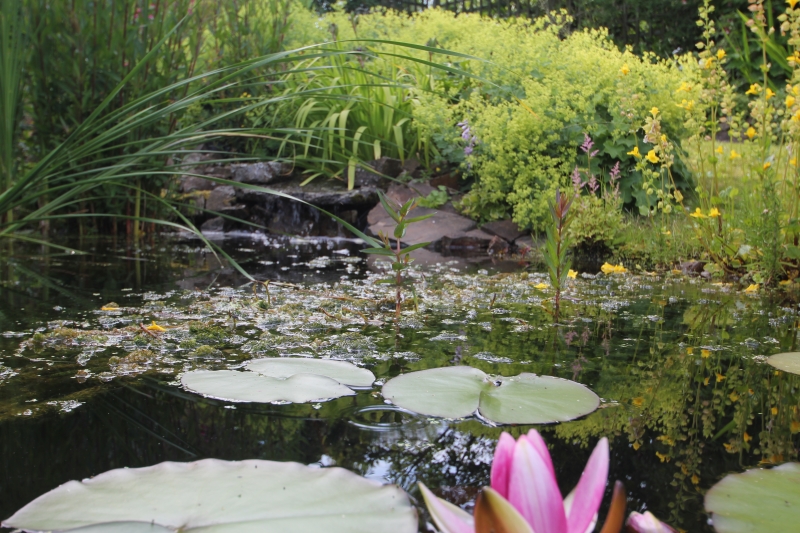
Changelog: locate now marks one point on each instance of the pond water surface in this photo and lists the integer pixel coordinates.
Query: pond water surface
(678, 363)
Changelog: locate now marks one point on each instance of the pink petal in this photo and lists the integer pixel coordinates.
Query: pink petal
(501, 465)
(590, 489)
(537, 442)
(647, 523)
(448, 517)
(533, 490)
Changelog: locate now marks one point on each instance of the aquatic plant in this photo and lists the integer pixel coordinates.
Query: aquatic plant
(524, 494)
(401, 256)
(557, 244)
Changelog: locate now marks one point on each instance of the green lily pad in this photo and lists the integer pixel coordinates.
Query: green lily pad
(788, 362)
(216, 496)
(757, 501)
(285, 367)
(460, 391)
(235, 386)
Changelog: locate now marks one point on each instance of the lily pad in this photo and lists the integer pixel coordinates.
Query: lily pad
(788, 362)
(285, 367)
(235, 386)
(216, 496)
(757, 501)
(460, 391)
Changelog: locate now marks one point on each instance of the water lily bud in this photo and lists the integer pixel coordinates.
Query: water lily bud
(646, 523)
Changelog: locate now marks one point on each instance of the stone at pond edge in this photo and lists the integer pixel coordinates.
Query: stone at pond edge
(245, 496)
(757, 501)
(262, 173)
(788, 362)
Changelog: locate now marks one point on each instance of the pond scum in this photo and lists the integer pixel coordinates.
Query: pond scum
(680, 364)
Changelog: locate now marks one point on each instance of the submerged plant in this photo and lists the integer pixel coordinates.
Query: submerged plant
(524, 495)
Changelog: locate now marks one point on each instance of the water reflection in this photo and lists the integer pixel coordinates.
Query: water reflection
(679, 364)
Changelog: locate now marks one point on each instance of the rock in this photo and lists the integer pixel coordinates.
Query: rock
(449, 180)
(379, 173)
(195, 183)
(221, 198)
(473, 241)
(213, 224)
(191, 184)
(505, 229)
(692, 267)
(262, 173)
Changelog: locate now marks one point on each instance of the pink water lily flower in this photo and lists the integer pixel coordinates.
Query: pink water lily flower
(647, 523)
(525, 492)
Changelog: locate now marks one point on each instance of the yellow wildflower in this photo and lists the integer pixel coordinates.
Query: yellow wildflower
(637, 445)
(652, 157)
(733, 396)
(111, 306)
(705, 354)
(795, 90)
(708, 63)
(796, 117)
(751, 132)
(678, 196)
(790, 100)
(792, 3)
(785, 282)
(668, 232)
(663, 457)
(793, 162)
(690, 350)
(695, 479)
(635, 152)
(754, 89)
(720, 378)
(720, 53)
(714, 213)
(572, 274)
(541, 286)
(770, 93)
(608, 268)
(154, 327)
(654, 111)
(746, 437)
(688, 105)
(685, 87)
(794, 426)
(720, 150)
(766, 165)
(705, 381)
(638, 402)
(698, 213)
(752, 288)
(735, 154)
(728, 446)
(624, 70)
(774, 411)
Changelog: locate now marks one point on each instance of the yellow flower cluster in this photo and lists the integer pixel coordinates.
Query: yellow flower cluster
(608, 268)
(712, 213)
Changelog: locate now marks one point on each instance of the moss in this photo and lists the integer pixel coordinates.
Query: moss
(208, 333)
(205, 351)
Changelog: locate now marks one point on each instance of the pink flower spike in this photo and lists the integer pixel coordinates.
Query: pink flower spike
(501, 464)
(533, 490)
(538, 443)
(448, 517)
(590, 489)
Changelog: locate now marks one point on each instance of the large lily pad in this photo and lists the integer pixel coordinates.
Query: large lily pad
(216, 496)
(251, 387)
(285, 367)
(788, 362)
(460, 391)
(757, 501)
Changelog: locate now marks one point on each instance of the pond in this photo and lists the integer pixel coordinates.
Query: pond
(678, 363)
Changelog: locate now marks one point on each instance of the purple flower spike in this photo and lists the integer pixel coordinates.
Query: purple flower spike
(587, 144)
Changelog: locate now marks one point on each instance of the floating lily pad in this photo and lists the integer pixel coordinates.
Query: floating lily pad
(788, 362)
(460, 391)
(216, 496)
(757, 501)
(285, 367)
(235, 386)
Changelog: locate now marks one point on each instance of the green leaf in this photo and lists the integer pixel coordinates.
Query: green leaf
(788, 362)
(378, 251)
(215, 495)
(413, 247)
(385, 203)
(400, 230)
(461, 391)
(756, 501)
(286, 367)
